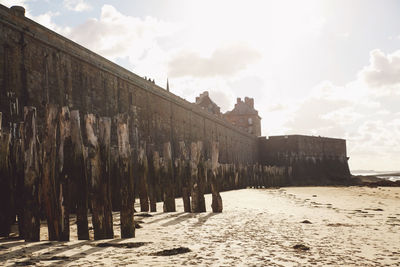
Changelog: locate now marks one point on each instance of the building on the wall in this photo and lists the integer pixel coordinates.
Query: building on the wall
(245, 117)
(205, 102)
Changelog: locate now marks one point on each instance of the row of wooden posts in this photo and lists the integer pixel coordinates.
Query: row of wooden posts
(71, 170)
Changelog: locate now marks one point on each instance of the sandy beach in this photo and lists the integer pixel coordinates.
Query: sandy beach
(295, 226)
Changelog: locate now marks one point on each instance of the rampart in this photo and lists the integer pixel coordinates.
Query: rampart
(312, 159)
(39, 67)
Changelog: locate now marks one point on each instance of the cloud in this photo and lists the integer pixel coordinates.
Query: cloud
(359, 112)
(115, 35)
(276, 108)
(76, 5)
(224, 61)
(384, 70)
(46, 19)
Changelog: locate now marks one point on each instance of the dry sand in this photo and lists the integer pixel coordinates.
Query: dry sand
(349, 226)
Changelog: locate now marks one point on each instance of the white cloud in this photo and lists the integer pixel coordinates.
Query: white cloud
(76, 5)
(384, 70)
(364, 111)
(223, 61)
(46, 20)
(115, 35)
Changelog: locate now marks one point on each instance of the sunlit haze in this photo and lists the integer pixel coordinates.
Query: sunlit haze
(328, 68)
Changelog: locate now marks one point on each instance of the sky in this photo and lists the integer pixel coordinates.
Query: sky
(325, 68)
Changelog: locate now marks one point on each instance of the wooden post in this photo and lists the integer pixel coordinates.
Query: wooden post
(30, 194)
(115, 179)
(155, 182)
(65, 166)
(79, 177)
(194, 171)
(6, 185)
(215, 179)
(105, 185)
(97, 195)
(125, 169)
(151, 178)
(17, 168)
(201, 182)
(184, 176)
(50, 181)
(198, 203)
(142, 177)
(168, 180)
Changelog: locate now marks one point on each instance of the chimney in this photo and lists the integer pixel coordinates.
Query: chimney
(249, 101)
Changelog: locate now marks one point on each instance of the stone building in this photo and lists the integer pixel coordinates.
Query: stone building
(205, 102)
(245, 117)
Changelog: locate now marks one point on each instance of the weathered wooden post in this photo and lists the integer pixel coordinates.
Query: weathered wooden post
(105, 158)
(201, 179)
(143, 170)
(115, 178)
(65, 170)
(184, 175)
(50, 182)
(126, 176)
(6, 185)
(30, 194)
(157, 173)
(97, 193)
(168, 180)
(79, 177)
(215, 179)
(197, 174)
(194, 171)
(151, 178)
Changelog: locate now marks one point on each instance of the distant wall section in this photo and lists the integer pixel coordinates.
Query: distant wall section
(312, 159)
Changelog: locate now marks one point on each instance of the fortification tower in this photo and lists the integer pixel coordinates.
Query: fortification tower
(205, 102)
(244, 116)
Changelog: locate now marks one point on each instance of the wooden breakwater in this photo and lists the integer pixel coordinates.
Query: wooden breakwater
(75, 166)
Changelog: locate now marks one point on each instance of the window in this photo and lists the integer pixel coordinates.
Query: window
(250, 120)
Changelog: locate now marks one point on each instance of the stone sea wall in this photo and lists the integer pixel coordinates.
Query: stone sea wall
(312, 159)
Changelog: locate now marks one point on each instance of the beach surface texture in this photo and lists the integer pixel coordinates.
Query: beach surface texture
(296, 226)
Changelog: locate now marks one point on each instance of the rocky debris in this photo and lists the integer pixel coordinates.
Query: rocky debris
(301, 247)
(373, 181)
(171, 252)
(339, 224)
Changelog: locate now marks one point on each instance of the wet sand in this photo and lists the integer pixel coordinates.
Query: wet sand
(296, 226)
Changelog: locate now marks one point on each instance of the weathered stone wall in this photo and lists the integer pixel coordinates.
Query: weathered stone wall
(38, 66)
(312, 159)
